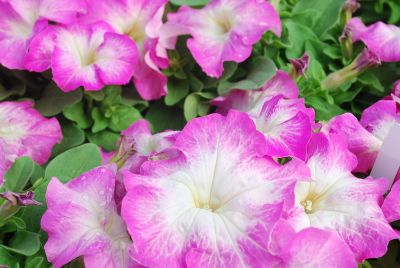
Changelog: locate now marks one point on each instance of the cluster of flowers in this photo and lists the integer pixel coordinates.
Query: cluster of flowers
(93, 43)
(214, 194)
(257, 184)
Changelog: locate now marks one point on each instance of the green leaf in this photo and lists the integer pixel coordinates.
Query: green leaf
(323, 14)
(6, 258)
(123, 117)
(24, 243)
(18, 88)
(190, 106)
(54, 100)
(195, 83)
(323, 110)
(77, 114)
(260, 70)
(189, 2)
(72, 136)
(19, 174)
(74, 162)
(105, 139)
(298, 35)
(163, 117)
(177, 90)
(100, 122)
(35, 262)
(13, 223)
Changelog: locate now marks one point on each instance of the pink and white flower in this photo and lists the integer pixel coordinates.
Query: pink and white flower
(336, 200)
(82, 220)
(252, 101)
(92, 56)
(25, 132)
(21, 21)
(141, 21)
(224, 30)
(365, 138)
(139, 145)
(215, 205)
(380, 38)
(287, 125)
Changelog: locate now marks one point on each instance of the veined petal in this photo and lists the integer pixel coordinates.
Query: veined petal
(38, 58)
(360, 142)
(380, 117)
(286, 126)
(314, 247)
(115, 59)
(216, 202)
(26, 132)
(252, 101)
(391, 204)
(384, 40)
(81, 220)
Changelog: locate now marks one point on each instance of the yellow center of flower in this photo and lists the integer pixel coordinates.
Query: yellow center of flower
(308, 206)
(136, 32)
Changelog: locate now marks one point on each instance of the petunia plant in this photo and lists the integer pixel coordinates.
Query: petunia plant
(198, 133)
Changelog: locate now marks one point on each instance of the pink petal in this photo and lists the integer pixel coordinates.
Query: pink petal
(360, 142)
(115, 59)
(391, 205)
(81, 220)
(38, 58)
(26, 132)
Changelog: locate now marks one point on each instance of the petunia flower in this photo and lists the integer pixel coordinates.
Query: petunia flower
(82, 220)
(141, 21)
(21, 21)
(252, 101)
(336, 200)
(311, 247)
(287, 125)
(215, 205)
(380, 38)
(25, 199)
(25, 132)
(224, 30)
(138, 145)
(92, 56)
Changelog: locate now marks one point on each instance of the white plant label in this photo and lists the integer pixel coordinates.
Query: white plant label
(387, 163)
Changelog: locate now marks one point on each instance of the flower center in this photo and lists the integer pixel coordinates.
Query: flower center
(308, 206)
(90, 58)
(136, 32)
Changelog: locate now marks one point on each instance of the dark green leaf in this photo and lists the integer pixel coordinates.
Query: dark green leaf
(123, 117)
(19, 174)
(163, 117)
(177, 90)
(189, 2)
(53, 100)
(72, 136)
(105, 139)
(77, 114)
(24, 243)
(260, 70)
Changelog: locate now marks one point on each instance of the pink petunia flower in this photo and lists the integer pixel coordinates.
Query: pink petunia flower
(224, 30)
(21, 21)
(82, 220)
(92, 56)
(139, 145)
(141, 21)
(336, 200)
(380, 38)
(287, 125)
(215, 205)
(252, 101)
(365, 138)
(25, 132)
